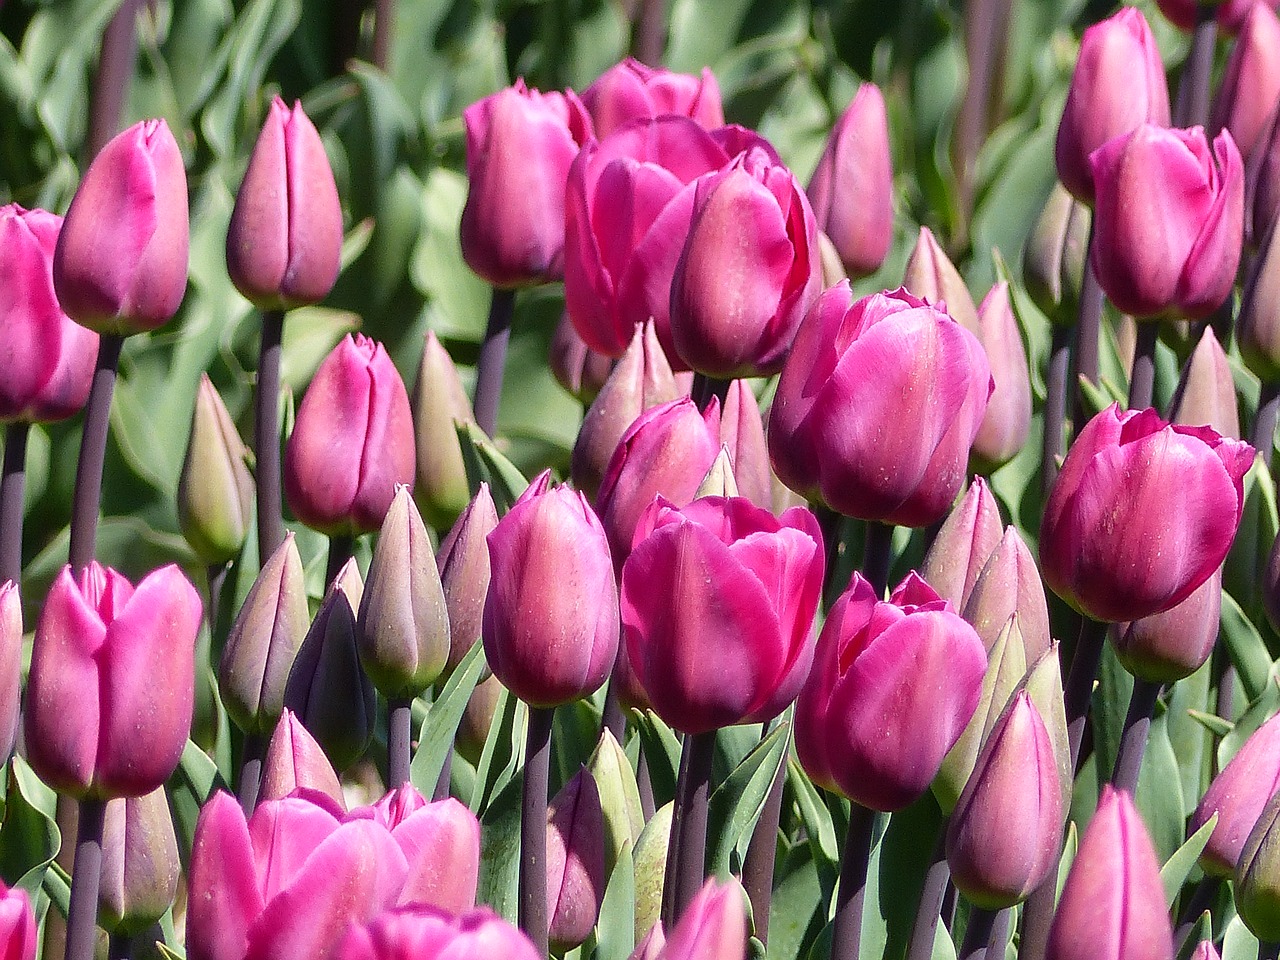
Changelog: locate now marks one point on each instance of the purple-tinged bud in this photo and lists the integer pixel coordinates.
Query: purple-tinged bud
(742, 433)
(619, 798)
(477, 719)
(1205, 950)
(1206, 393)
(1010, 584)
(1053, 259)
(1257, 877)
(284, 241)
(1007, 421)
(712, 927)
(215, 490)
(438, 404)
(575, 861)
(1258, 325)
(1044, 683)
(403, 626)
(1174, 644)
(140, 864)
(463, 562)
(650, 947)
(1003, 837)
(631, 90)
(295, 761)
(121, 261)
(264, 641)
(422, 931)
(963, 545)
(852, 187)
(17, 925)
(576, 367)
(932, 277)
(10, 667)
(1237, 795)
(1251, 84)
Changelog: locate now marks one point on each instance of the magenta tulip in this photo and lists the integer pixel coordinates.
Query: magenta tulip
(712, 927)
(112, 683)
(1231, 14)
(17, 925)
(1238, 795)
(963, 545)
(1251, 85)
(575, 861)
(1141, 514)
(1175, 643)
(631, 90)
(296, 761)
(1007, 421)
(422, 932)
(352, 442)
(463, 561)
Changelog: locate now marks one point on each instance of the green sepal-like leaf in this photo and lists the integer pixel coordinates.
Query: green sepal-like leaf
(435, 736)
(736, 804)
(615, 931)
(29, 837)
(484, 464)
(1176, 869)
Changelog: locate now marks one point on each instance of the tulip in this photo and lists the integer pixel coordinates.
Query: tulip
(932, 277)
(296, 761)
(1002, 839)
(742, 434)
(878, 406)
(17, 925)
(352, 441)
(1112, 907)
(287, 882)
(852, 187)
(1257, 878)
(575, 861)
(748, 272)
(551, 616)
(1010, 584)
(140, 864)
(112, 682)
(215, 490)
(47, 359)
(576, 367)
(893, 686)
(1264, 184)
(1044, 683)
(631, 90)
(520, 144)
(1207, 391)
(1175, 643)
(963, 544)
(1258, 325)
(1118, 85)
(120, 265)
(1141, 514)
(1205, 950)
(1183, 258)
(712, 927)
(1053, 259)
(439, 404)
(422, 931)
(10, 667)
(1231, 14)
(1251, 83)
(463, 561)
(284, 241)
(718, 601)
(1007, 422)
(1238, 795)
(619, 798)
(650, 946)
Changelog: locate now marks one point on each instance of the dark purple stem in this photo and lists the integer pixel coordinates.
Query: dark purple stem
(692, 793)
(493, 358)
(1192, 102)
(86, 875)
(266, 436)
(1133, 740)
(977, 934)
(384, 18)
(1142, 380)
(1078, 690)
(1088, 331)
(878, 555)
(13, 485)
(757, 869)
(533, 829)
(1055, 407)
(251, 757)
(649, 36)
(929, 910)
(341, 549)
(846, 936)
(399, 737)
(87, 499)
(117, 59)
(704, 388)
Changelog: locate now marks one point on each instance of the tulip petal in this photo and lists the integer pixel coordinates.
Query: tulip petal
(223, 895)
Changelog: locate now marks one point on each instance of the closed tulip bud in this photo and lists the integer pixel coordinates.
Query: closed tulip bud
(1010, 584)
(477, 719)
(650, 947)
(932, 277)
(963, 544)
(1044, 684)
(579, 369)
(140, 864)
(742, 434)
(10, 667)
(838, 417)
(424, 931)
(1238, 795)
(1184, 259)
(1173, 644)
(112, 683)
(295, 761)
(642, 379)
(463, 562)
(403, 624)
(264, 641)
(575, 860)
(1141, 515)
(1205, 950)
(650, 867)
(667, 451)
(352, 442)
(713, 925)
(49, 359)
(852, 187)
(749, 270)
(17, 925)
(718, 601)
(1117, 86)
(327, 688)
(892, 688)
(284, 241)
(1258, 325)
(1053, 259)
(619, 798)
(551, 616)
(520, 144)
(1251, 83)
(631, 90)
(439, 403)
(1002, 839)
(1007, 422)
(1264, 184)
(1257, 878)
(120, 265)
(1112, 907)
(1230, 14)
(1206, 393)
(215, 490)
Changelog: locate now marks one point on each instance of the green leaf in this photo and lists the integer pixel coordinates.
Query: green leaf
(736, 804)
(1254, 716)
(501, 753)
(814, 814)
(1238, 943)
(56, 884)
(1176, 869)
(795, 914)
(484, 464)
(435, 737)
(190, 786)
(29, 839)
(1212, 722)
(615, 931)
(498, 882)
(1245, 646)
(661, 752)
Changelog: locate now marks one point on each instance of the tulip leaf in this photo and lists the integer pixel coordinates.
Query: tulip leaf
(29, 837)
(1176, 869)
(1201, 930)
(1212, 722)
(1243, 574)
(1238, 943)
(814, 814)
(498, 881)
(661, 752)
(1254, 716)
(795, 919)
(484, 464)
(501, 751)
(1245, 646)
(169, 953)
(736, 804)
(435, 737)
(615, 930)
(56, 884)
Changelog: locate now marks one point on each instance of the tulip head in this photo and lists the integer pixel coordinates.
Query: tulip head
(1251, 83)
(712, 927)
(424, 931)
(1257, 877)
(932, 277)
(215, 490)
(1010, 584)
(575, 860)
(1007, 420)
(1238, 795)
(439, 404)
(463, 561)
(1053, 259)
(1175, 643)
(632, 90)
(296, 761)
(17, 925)
(1206, 393)
(963, 544)
(140, 864)
(1230, 14)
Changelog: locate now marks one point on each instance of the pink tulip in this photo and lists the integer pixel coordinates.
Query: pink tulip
(1238, 795)
(1231, 14)
(17, 925)
(1251, 85)
(10, 667)
(520, 144)
(1010, 584)
(120, 265)
(631, 90)
(463, 560)
(712, 927)
(1141, 514)
(718, 600)
(112, 683)
(1007, 422)
(575, 861)
(422, 932)
(352, 441)
(295, 761)
(1178, 249)
(963, 545)
(1176, 643)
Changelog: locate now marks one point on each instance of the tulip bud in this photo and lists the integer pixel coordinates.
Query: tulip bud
(463, 562)
(1251, 84)
(1264, 183)
(932, 277)
(327, 687)
(742, 434)
(1010, 584)
(1238, 795)
(1007, 421)
(1206, 393)
(619, 798)
(713, 925)
(582, 371)
(1205, 950)
(631, 90)
(215, 490)
(1053, 259)
(651, 865)
(121, 261)
(403, 626)
(10, 667)
(1258, 325)
(1174, 644)
(963, 544)
(1112, 907)
(651, 946)
(112, 683)
(519, 146)
(1044, 684)
(575, 860)
(284, 241)
(1002, 839)
(295, 761)
(424, 931)
(477, 719)
(439, 403)
(140, 864)
(551, 615)
(17, 925)
(852, 186)
(264, 641)
(642, 379)
(1118, 84)
(1257, 878)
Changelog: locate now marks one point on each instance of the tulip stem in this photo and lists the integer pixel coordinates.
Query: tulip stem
(929, 910)
(1055, 407)
(649, 35)
(444, 782)
(533, 828)
(493, 358)
(86, 875)
(704, 388)
(878, 556)
(87, 498)
(846, 939)
(977, 934)
(1037, 915)
(384, 15)
(399, 722)
(762, 853)
(119, 946)
(341, 549)
(1192, 103)
(117, 59)
(12, 492)
(1079, 687)
(1133, 741)
(686, 865)
(266, 436)
(831, 524)
(1269, 951)
(1142, 379)
(1000, 934)
(611, 717)
(250, 782)
(1088, 331)
(1264, 423)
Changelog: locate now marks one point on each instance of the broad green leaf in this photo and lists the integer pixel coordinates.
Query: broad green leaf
(500, 852)
(484, 464)
(30, 838)
(56, 884)
(1238, 943)
(501, 754)
(1176, 869)
(814, 814)
(615, 931)
(737, 802)
(435, 737)
(661, 752)
(1246, 648)
(796, 915)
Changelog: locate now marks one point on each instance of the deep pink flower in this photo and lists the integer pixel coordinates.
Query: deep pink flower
(631, 90)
